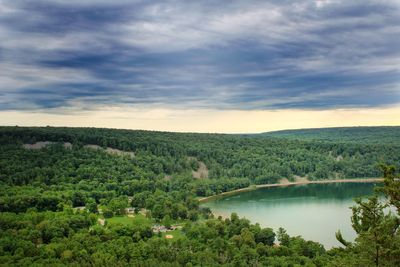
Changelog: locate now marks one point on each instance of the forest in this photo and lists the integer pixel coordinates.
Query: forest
(374, 135)
(57, 184)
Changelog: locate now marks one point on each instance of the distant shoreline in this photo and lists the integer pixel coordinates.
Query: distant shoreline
(254, 187)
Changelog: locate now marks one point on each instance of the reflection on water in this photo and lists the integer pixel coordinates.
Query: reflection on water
(314, 211)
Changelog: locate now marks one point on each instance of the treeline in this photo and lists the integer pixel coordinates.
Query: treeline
(383, 135)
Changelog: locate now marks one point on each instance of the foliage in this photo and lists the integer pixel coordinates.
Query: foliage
(375, 135)
(377, 227)
(43, 192)
(246, 158)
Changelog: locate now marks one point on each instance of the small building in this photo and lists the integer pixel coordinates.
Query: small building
(130, 210)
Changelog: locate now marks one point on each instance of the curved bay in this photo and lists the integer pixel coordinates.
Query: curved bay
(314, 211)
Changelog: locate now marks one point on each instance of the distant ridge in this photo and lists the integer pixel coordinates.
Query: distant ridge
(391, 134)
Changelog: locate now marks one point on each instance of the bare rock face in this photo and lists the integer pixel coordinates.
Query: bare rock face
(112, 151)
(96, 147)
(120, 152)
(37, 145)
(201, 172)
(67, 145)
(43, 144)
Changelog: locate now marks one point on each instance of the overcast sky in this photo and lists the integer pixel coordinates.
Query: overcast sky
(220, 66)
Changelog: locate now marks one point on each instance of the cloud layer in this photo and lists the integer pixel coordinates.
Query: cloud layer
(241, 55)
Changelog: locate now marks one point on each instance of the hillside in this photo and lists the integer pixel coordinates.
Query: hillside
(371, 135)
(229, 160)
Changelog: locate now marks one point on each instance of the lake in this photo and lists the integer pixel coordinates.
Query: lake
(314, 211)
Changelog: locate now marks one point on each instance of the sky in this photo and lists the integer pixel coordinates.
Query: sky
(202, 66)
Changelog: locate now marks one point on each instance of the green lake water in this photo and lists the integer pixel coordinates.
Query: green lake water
(314, 211)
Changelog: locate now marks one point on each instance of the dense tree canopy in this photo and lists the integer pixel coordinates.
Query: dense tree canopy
(52, 196)
(371, 135)
(248, 159)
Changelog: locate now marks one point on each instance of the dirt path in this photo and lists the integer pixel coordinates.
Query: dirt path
(253, 187)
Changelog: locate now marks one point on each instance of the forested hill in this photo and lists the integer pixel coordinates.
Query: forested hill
(372, 135)
(220, 161)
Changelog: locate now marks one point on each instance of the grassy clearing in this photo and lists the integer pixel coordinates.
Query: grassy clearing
(142, 220)
(136, 220)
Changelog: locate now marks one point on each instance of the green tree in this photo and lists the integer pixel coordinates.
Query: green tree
(91, 205)
(118, 205)
(378, 240)
(107, 212)
(266, 236)
(166, 221)
(392, 186)
(283, 237)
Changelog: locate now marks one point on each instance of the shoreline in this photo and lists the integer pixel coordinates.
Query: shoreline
(255, 187)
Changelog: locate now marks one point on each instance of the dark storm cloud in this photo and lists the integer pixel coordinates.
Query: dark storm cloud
(234, 55)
